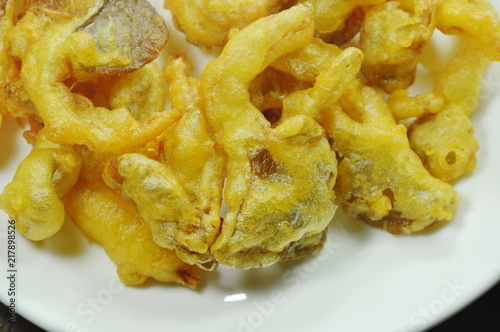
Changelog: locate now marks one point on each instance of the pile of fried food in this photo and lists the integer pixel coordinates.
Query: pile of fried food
(306, 106)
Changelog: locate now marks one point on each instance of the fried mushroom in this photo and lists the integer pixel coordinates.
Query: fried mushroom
(279, 180)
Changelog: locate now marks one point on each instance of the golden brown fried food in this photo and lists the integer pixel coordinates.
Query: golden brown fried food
(292, 96)
(328, 87)
(8, 69)
(132, 29)
(327, 66)
(141, 92)
(392, 40)
(207, 23)
(308, 62)
(476, 21)
(445, 142)
(268, 89)
(330, 15)
(352, 26)
(381, 181)
(17, 102)
(63, 51)
(403, 106)
(279, 181)
(33, 198)
(187, 186)
(107, 218)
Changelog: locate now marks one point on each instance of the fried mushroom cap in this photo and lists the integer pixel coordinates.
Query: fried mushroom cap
(62, 52)
(131, 28)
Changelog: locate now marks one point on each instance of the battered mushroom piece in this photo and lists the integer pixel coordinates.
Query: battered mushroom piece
(331, 15)
(294, 97)
(131, 29)
(445, 141)
(185, 184)
(279, 180)
(8, 68)
(269, 88)
(207, 23)
(475, 21)
(64, 51)
(381, 181)
(392, 40)
(329, 85)
(41, 181)
(107, 218)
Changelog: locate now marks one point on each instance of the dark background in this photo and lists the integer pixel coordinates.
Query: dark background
(484, 314)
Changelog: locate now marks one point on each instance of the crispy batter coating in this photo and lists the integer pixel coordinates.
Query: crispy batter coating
(107, 218)
(476, 21)
(330, 15)
(70, 117)
(328, 87)
(207, 23)
(130, 28)
(186, 186)
(268, 89)
(142, 91)
(328, 67)
(288, 119)
(308, 62)
(42, 179)
(403, 106)
(392, 40)
(279, 181)
(296, 96)
(381, 181)
(445, 142)
(8, 68)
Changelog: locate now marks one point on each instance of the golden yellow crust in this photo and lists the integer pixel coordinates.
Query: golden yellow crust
(271, 199)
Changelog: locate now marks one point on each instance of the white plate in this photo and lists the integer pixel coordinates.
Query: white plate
(367, 280)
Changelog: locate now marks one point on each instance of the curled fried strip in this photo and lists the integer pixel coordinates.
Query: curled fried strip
(42, 179)
(330, 15)
(328, 87)
(383, 184)
(207, 23)
(308, 62)
(107, 218)
(72, 118)
(272, 200)
(476, 21)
